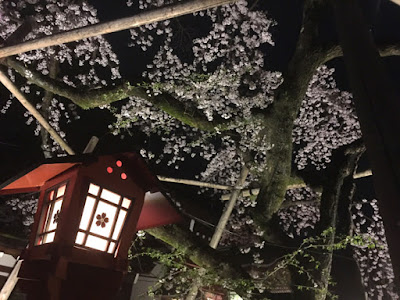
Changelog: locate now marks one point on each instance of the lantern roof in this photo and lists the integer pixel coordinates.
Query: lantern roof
(31, 179)
(157, 208)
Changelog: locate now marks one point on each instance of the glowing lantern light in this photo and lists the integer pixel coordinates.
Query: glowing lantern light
(89, 210)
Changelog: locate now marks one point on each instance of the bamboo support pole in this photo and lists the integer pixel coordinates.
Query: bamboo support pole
(245, 193)
(91, 145)
(254, 192)
(363, 174)
(11, 282)
(228, 208)
(147, 17)
(195, 183)
(35, 113)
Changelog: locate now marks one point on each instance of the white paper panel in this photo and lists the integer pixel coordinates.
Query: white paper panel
(61, 191)
(126, 202)
(87, 212)
(120, 223)
(79, 238)
(110, 196)
(56, 210)
(94, 189)
(96, 243)
(48, 238)
(103, 219)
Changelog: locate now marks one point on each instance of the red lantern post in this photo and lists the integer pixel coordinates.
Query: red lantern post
(88, 213)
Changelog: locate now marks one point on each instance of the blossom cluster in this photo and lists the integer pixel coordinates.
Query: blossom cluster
(225, 76)
(26, 206)
(221, 73)
(242, 232)
(298, 220)
(374, 263)
(326, 121)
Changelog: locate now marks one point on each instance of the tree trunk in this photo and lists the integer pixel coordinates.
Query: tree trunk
(342, 167)
(279, 120)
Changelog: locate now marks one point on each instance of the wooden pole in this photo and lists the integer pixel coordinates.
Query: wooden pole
(363, 174)
(11, 281)
(228, 208)
(147, 17)
(245, 193)
(21, 98)
(91, 145)
(378, 108)
(195, 183)
(254, 192)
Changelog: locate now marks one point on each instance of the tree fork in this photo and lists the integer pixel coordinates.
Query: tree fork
(279, 119)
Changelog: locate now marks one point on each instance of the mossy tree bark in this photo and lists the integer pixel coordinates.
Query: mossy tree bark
(343, 167)
(280, 117)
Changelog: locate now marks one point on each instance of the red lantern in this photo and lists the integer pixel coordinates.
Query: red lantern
(89, 210)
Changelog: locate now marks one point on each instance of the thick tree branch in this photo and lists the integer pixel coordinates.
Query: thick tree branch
(201, 255)
(86, 99)
(342, 168)
(332, 192)
(279, 120)
(212, 261)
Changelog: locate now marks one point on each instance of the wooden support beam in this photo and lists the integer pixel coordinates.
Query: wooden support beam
(11, 281)
(35, 113)
(147, 17)
(91, 145)
(254, 192)
(228, 208)
(378, 108)
(245, 193)
(195, 183)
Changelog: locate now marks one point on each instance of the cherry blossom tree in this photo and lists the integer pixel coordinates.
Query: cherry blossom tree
(208, 98)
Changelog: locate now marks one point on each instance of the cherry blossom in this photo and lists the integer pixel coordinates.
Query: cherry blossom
(299, 220)
(326, 121)
(374, 263)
